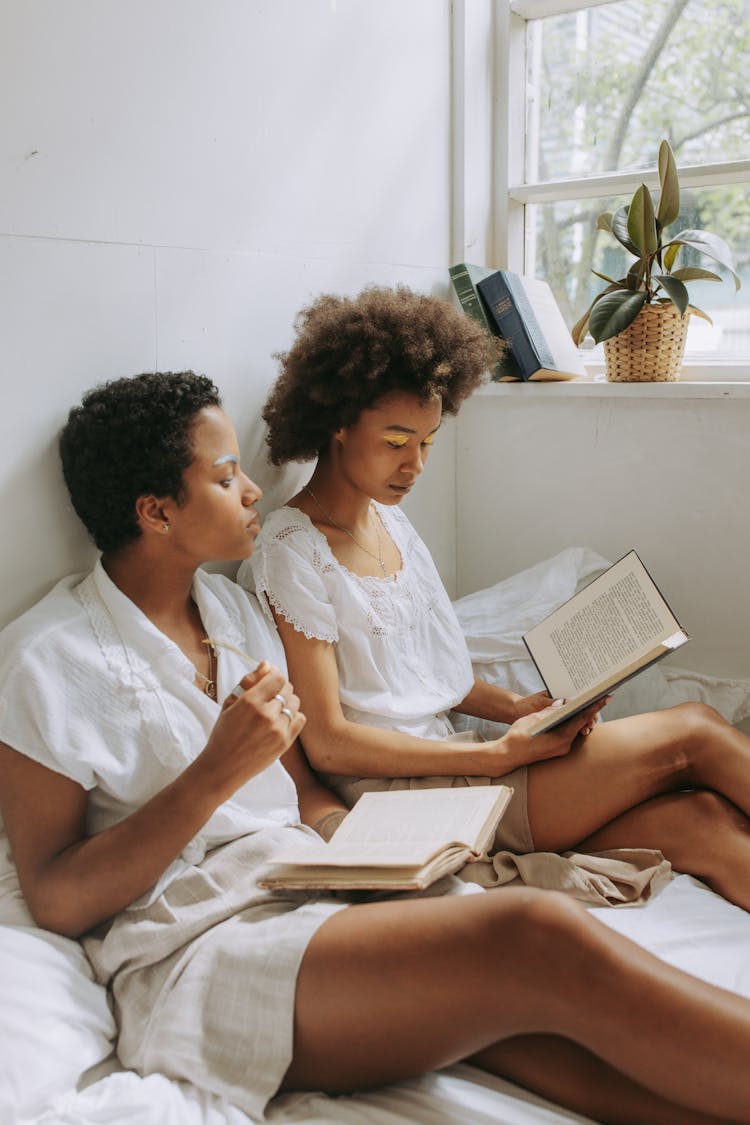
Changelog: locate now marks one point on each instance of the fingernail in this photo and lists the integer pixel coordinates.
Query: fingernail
(558, 703)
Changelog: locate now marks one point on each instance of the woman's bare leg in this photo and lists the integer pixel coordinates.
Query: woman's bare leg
(625, 762)
(391, 989)
(571, 1076)
(698, 831)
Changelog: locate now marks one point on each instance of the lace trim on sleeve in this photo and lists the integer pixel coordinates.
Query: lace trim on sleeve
(310, 633)
(269, 597)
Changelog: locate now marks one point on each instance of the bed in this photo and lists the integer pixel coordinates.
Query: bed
(57, 1062)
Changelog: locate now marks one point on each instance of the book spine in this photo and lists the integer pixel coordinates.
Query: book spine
(506, 369)
(531, 323)
(469, 297)
(516, 322)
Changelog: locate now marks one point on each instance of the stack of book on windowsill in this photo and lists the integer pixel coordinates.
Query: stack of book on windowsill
(523, 311)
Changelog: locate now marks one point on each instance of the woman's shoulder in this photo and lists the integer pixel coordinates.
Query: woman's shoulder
(288, 545)
(284, 522)
(288, 532)
(48, 625)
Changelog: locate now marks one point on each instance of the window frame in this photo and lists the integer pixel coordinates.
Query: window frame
(512, 192)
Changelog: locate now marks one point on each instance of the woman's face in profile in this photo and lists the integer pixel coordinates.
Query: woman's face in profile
(385, 450)
(217, 519)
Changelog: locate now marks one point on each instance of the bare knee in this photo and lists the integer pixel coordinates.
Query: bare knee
(698, 721)
(538, 925)
(693, 731)
(700, 714)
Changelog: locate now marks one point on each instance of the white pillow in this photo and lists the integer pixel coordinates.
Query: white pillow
(54, 1018)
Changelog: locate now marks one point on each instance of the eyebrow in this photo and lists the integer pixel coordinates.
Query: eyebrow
(227, 458)
(406, 430)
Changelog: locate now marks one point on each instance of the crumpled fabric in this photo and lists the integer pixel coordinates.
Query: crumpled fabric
(618, 877)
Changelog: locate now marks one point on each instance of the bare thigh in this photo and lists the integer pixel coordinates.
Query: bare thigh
(391, 989)
(620, 765)
(383, 992)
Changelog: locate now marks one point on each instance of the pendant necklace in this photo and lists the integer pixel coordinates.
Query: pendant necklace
(377, 557)
(208, 683)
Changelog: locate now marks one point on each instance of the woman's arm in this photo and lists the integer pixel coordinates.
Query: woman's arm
(487, 701)
(318, 806)
(72, 881)
(335, 745)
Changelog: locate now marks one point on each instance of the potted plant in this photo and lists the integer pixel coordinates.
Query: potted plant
(642, 318)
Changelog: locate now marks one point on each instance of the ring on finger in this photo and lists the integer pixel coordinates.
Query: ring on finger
(280, 698)
(287, 712)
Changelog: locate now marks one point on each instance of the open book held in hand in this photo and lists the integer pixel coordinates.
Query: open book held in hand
(606, 633)
(399, 840)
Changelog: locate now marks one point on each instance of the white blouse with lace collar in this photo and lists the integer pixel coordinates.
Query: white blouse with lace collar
(90, 688)
(402, 658)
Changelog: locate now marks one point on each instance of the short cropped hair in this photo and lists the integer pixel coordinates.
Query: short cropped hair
(350, 352)
(130, 437)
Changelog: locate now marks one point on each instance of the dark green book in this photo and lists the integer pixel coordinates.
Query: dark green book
(464, 278)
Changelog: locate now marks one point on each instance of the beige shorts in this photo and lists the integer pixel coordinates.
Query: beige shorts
(204, 979)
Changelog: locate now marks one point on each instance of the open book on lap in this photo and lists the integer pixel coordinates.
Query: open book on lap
(606, 633)
(397, 840)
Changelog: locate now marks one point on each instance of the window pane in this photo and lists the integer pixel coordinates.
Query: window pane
(563, 246)
(607, 83)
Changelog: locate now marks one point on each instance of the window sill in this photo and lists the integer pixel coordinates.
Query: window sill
(597, 386)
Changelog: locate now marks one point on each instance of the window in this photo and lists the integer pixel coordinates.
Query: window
(593, 87)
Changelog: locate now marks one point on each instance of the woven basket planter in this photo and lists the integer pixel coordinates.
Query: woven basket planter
(650, 349)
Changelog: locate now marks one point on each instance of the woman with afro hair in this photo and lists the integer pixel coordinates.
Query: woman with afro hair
(374, 647)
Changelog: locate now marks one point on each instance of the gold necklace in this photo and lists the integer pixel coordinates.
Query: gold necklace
(208, 683)
(379, 557)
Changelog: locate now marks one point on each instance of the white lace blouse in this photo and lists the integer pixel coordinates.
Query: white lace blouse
(402, 658)
(90, 688)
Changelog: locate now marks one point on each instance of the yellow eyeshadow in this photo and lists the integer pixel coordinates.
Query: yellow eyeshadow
(399, 442)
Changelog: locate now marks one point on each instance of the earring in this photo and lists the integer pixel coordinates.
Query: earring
(165, 527)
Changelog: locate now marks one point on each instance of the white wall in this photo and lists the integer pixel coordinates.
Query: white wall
(661, 468)
(177, 178)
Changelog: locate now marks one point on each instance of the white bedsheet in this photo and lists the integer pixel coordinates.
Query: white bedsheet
(686, 925)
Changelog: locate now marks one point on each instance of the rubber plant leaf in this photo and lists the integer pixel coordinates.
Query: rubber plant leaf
(614, 313)
(620, 230)
(699, 312)
(712, 246)
(635, 275)
(641, 222)
(605, 277)
(670, 254)
(695, 273)
(580, 328)
(675, 289)
(669, 197)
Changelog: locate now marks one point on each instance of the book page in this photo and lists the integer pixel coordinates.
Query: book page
(560, 342)
(406, 827)
(437, 816)
(614, 621)
(405, 854)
